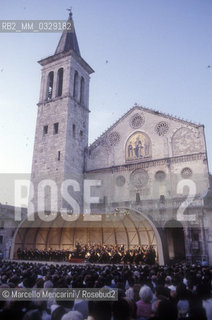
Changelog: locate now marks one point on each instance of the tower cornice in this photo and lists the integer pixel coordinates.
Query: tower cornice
(56, 57)
(47, 102)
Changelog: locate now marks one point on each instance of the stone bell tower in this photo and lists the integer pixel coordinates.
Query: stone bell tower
(61, 135)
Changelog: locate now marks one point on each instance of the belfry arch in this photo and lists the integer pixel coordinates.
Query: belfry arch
(125, 226)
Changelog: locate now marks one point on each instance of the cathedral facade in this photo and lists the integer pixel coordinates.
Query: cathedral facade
(143, 182)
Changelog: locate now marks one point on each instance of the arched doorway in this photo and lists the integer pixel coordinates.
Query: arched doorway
(175, 240)
(124, 227)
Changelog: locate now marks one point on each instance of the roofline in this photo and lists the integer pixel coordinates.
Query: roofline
(150, 110)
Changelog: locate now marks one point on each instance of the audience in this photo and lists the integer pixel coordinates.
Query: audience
(144, 291)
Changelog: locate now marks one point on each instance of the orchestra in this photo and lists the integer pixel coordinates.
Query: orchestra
(93, 253)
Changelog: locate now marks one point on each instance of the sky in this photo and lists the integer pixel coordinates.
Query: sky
(153, 53)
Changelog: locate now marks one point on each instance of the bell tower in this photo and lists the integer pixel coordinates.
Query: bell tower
(61, 135)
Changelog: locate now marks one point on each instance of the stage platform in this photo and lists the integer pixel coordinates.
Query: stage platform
(60, 263)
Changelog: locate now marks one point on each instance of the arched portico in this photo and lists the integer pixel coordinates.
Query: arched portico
(125, 226)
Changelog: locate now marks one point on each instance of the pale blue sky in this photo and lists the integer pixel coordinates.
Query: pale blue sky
(157, 52)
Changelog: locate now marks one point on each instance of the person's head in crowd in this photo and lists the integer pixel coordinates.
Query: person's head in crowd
(67, 304)
(161, 293)
(100, 283)
(3, 279)
(182, 293)
(48, 284)
(4, 285)
(11, 284)
(167, 310)
(39, 283)
(136, 289)
(197, 312)
(190, 286)
(72, 315)
(133, 307)
(100, 310)
(77, 282)
(15, 279)
(39, 304)
(33, 314)
(168, 281)
(28, 282)
(146, 294)
(183, 308)
(58, 313)
(204, 290)
(131, 282)
(153, 277)
(172, 289)
(89, 281)
(121, 310)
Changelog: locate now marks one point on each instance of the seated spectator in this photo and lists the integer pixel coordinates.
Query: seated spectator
(161, 293)
(121, 310)
(82, 307)
(136, 289)
(133, 307)
(197, 312)
(66, 304)
(32, 315)
(167, 311)
(144, 305)
(99, 310)
(204, 292)
(72, 315)
(129, 291)
(183, 309)
(58, 313)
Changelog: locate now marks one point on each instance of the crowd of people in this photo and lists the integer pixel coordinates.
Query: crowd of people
(93, 253)
(144, 292)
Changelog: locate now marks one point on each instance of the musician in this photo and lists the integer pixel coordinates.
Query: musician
(93, 257)
(139, 256)
(104, 257)
(127, 257)
(93, 253)
(150, 256)
(78, 247)
(116, 257)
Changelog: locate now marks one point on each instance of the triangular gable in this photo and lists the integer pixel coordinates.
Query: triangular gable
(144, 109)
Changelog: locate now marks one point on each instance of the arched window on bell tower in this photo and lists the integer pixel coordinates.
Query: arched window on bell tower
(82, 90)
(50, 81)
(76, 80)
(59, 82)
